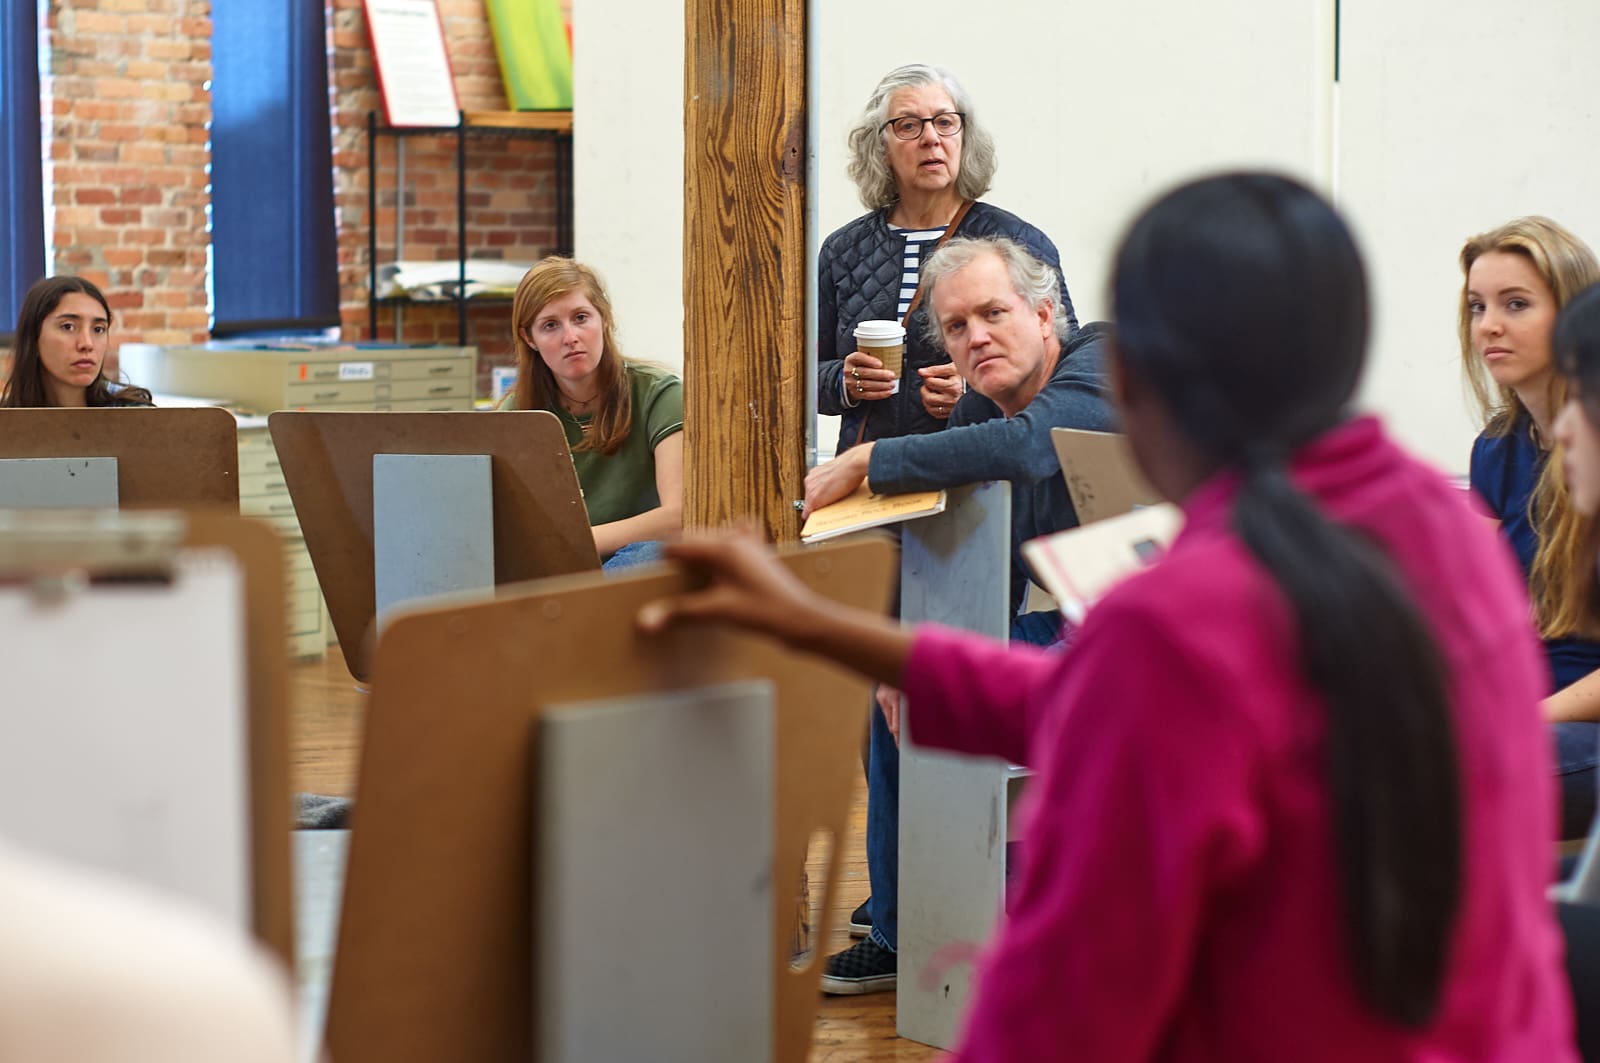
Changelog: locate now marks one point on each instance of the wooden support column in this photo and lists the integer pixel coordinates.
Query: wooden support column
(744, 268)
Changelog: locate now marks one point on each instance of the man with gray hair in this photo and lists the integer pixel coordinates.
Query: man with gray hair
(997, 310)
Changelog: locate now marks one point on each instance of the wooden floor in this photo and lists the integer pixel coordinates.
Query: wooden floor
(326, 718)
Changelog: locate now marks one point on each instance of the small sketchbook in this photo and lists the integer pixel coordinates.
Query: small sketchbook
(1102, 477)
(863, 510)
(1079, 565)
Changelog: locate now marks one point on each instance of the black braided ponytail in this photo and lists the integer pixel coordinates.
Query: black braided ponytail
(1241, 301)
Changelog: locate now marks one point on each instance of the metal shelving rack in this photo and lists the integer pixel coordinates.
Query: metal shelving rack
(536, 125)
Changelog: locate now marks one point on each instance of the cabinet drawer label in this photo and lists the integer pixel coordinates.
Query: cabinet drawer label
(355, 371)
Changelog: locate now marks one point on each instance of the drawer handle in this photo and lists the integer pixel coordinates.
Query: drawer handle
(442, 389)
(440, 370)
(324, 396)
(281, 507)
(325, 374)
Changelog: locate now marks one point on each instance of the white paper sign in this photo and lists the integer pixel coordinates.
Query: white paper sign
(123, 744)
(413, 64)
(355, 370)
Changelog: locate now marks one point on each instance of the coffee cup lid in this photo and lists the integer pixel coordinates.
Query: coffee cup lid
(880, 330)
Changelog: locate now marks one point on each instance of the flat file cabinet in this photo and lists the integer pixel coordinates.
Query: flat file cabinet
(264, 493)
(261, 380)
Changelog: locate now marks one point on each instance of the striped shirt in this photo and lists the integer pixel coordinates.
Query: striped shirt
(910, 274)
(911, 268)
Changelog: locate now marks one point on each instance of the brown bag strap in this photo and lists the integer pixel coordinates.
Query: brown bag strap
(949, 231)
(916, 296)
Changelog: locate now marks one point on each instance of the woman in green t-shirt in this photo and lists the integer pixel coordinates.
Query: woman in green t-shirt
(624, 419)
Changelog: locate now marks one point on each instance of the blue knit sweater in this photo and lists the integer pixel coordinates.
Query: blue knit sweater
(984, 444)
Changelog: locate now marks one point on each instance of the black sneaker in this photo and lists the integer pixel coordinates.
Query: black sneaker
(861, 921)
(865, 967)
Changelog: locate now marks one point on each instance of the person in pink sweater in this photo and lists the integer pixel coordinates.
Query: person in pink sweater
(1291, 797)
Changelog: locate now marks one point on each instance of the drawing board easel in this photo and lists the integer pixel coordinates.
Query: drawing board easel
(540, 525)
(166, 732)
(177, 458)
(954, 570)
(434, 958)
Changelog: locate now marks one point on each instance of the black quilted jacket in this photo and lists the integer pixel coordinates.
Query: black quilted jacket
(858, 279)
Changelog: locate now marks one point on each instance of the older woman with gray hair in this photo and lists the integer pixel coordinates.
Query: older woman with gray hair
(920, 159)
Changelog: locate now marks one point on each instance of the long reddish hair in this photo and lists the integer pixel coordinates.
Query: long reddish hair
(536, 384)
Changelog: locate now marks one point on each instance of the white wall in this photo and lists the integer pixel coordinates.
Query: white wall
(1097, 105)
(1456, 116)
(1094, 105)
(628, 165)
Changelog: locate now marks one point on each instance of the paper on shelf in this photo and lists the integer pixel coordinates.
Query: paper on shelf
(432, 280)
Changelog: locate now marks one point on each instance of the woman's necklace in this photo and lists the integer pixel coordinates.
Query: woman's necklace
(576, 405)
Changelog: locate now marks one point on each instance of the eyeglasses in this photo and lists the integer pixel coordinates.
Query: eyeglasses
(945, 123)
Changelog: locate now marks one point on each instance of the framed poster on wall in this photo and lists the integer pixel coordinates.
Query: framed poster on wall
(412, 63)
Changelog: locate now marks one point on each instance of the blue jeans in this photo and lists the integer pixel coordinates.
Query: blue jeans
(883, 797)
(1577, 754)
(640, 553)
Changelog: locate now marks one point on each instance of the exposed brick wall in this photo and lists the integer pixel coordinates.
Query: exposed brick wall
(510, 184)
(125, 114)
(125, 138)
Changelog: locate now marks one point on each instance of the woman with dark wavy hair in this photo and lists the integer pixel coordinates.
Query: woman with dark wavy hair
(63, 335)
(1289, 798)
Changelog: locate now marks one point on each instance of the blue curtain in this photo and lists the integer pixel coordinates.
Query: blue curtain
(274, 256)
(21, 176)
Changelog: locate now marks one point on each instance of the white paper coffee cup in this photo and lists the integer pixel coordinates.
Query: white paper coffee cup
(885, 341)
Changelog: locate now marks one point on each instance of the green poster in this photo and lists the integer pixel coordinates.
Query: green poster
(535, 53)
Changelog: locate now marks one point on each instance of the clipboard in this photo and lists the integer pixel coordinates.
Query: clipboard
(63, 554)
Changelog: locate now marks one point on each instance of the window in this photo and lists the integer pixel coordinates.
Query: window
(21, 175)
(274, 257)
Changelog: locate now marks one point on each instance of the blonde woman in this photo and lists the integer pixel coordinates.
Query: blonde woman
(624, 419)
(1517, 278)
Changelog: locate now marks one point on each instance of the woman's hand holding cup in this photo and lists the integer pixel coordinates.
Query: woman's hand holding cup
(865, 378)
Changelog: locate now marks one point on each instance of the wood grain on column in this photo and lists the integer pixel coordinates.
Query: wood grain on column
(744, 268)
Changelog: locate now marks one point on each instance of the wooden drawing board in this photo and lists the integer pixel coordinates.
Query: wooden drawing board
(1102, 477)
(435, 936)
(540, 525)
(176, 458)
(259, 552)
